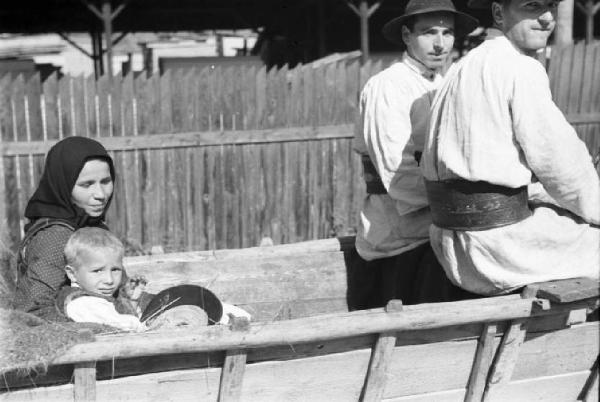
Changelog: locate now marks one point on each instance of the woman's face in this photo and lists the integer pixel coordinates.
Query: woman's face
(93, 188)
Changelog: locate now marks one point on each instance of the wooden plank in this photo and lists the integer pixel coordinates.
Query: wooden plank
(188, 200)
(420, 369)
(84, 382)
(49, 108)
(222, 202)
(583, 117)
(131, 163)
(352, 91)
(381, 357)
(558, 388)
(568, 290)
(3, 201)
(209, 198)
(506, 358)
(232, 375)
(260, 96)
(5, 131)
(160, 141)
(19, 133)
(249, 98)
(288, 220)
(182, 386)
(481, 364)
(234, 182)
(78, 107)
(93, 107)
(302, 193)
(564, 360)
(200, 240)
(309, 329)
(589, 392)
(576, 87)
(64, 107)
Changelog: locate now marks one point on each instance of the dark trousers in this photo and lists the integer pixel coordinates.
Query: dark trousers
(414, 277)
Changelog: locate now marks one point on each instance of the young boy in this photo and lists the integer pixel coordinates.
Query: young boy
(100, 291)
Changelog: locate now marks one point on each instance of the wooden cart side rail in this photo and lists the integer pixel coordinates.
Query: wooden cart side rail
(332, 245)
(334, 326)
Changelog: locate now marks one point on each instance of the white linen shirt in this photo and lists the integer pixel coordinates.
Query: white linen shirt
(394, 110)
(101, 311)
(493, 119)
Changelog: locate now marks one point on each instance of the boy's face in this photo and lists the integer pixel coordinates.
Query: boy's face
(100, 271)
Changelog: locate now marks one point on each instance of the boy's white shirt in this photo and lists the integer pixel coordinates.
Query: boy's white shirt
(101, 311)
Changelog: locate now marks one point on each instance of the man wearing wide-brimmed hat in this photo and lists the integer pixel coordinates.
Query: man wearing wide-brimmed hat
(514, 195)
(394, 105)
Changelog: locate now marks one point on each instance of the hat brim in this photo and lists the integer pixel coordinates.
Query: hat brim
(464, 24)
(183, 295)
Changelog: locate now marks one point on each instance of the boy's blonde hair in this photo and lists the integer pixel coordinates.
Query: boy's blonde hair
(89, 238)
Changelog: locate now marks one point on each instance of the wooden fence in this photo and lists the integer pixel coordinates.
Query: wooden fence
(222, 157)
(574, 73)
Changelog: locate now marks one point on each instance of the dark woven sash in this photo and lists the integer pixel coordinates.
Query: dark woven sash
(371, 177)
(466, 205)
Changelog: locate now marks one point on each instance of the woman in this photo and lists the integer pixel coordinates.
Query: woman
(75, 191)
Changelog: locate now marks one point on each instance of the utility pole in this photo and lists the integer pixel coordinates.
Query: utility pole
(106, 15)
(107, 22)
(589, 8)
(364, 12)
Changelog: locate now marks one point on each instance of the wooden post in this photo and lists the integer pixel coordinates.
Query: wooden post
(589, 9)
(508, 351)
(232, 373)
(364, 29)
(97, 54)
(588, 394)
(363, 11)
(3, 192)
(506, 357)
(107, 23)
(481, 364)
(106, 15)
(564, 23)
(381, 356)
(84, 387)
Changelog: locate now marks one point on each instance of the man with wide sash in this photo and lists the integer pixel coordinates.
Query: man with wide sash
(514, 195)
(392, 239)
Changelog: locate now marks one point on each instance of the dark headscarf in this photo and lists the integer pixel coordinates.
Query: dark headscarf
(64, 162)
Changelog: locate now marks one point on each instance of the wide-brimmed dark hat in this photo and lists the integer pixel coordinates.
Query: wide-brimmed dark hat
(182, 295)
(463, 23)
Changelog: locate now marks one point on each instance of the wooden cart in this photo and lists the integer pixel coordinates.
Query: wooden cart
(304, 345)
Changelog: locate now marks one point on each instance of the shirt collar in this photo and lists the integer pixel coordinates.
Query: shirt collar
(419, 67)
